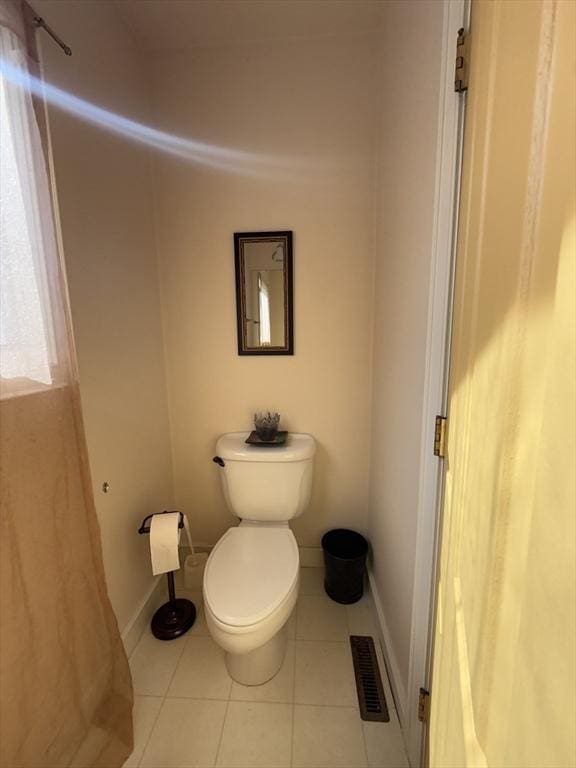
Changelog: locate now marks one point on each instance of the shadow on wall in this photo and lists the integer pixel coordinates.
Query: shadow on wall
(316, 509)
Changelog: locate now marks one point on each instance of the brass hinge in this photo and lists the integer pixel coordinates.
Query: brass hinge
(440, 436)
(424, 706)
(462, 62)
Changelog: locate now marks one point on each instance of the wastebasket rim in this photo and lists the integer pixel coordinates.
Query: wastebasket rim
(359, 542)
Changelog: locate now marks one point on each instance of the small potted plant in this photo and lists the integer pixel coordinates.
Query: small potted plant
(266, 425)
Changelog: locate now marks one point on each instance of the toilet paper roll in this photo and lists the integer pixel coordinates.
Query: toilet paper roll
(164, 540)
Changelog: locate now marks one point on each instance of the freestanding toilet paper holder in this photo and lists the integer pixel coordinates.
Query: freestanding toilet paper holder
(175, 617)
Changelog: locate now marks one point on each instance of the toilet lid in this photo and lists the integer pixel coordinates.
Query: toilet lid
(249, 573)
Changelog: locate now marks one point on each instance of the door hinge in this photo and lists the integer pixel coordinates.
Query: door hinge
(462, 61)
(440, 436)
(424, 706)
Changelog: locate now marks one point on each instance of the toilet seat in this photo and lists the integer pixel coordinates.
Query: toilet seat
(250, 574)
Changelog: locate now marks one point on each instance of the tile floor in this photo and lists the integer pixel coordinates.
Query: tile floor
(188, 712)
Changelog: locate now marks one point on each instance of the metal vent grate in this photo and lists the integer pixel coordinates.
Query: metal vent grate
(368, 681)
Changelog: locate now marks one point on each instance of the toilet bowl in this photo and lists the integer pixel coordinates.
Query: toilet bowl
(252, 575)
(250, 590)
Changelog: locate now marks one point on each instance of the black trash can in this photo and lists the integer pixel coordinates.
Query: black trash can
(345, 562)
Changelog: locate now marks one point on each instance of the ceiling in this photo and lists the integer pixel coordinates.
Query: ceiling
(176, 24)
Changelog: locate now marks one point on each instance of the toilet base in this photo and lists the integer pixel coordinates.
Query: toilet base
(260, 665)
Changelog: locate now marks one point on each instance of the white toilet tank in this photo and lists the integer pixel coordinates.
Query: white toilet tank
(266, 483)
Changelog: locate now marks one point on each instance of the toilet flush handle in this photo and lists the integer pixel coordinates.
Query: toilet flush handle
(219, 461)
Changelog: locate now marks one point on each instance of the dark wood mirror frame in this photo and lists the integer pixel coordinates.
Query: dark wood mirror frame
(240, 240)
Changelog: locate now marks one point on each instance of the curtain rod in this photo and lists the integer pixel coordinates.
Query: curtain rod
(40, 23)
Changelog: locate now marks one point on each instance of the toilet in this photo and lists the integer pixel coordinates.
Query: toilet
(252, 575)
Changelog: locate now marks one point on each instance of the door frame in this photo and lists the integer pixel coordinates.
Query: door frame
(447, 191)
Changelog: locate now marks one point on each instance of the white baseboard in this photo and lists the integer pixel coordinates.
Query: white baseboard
(398, 688)
(198, 546)
(311, 557)
(153, 599)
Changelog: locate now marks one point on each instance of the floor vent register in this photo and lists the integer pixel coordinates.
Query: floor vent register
(368, 681)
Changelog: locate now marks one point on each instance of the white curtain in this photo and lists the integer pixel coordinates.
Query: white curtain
(65, 688)
(31, 318)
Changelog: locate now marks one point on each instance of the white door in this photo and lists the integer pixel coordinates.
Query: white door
(504, 677)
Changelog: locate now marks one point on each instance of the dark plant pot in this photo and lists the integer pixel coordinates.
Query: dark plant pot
(267, 433)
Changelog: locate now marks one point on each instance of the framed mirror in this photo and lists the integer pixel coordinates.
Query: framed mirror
(264, 301)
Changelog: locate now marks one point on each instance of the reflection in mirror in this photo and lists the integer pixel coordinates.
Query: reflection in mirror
(264, 292)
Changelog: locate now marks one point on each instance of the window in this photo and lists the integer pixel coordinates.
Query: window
(27, 237)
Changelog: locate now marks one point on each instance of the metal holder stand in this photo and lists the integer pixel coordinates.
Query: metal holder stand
(175, 617)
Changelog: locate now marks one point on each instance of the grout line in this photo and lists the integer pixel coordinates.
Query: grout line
(330, 706)
(294, 685)
(163, 697)
(219, 747)
(145, 747)
(258, 701)
(364, 741)
(204, 698)
(173, 675)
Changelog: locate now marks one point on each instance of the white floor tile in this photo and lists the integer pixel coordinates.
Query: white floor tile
(256, 735)
(153, 662)
(384, 745)
(324, 674)
(328, 737)
(183, 719)
(201, 672)
(186, 735)
(320, 618)
(361, 617)
(144, 716)
(199, 628)
(279, 689)
(311, 581)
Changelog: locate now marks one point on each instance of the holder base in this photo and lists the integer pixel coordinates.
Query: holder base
(173, 619)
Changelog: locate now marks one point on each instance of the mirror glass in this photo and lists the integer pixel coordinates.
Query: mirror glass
(264, 292)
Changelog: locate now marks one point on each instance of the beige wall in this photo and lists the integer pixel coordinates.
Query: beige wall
(105, 195)
(409, 85)
(317, 103)
(314, 101)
